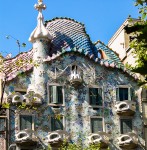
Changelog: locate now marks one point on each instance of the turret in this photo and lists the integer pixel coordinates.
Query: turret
(40, 38)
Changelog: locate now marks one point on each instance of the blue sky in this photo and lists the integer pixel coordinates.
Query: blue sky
(101, 18)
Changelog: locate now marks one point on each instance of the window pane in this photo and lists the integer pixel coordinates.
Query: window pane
(123, 94)
(56, 94)
(25, 122)
(99, 96)
(2, 124)
(56, 124)
(96, 124)
(60, 95)
(95, 96)
(126, 126)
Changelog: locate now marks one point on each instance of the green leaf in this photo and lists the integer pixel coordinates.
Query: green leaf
(23, 44)
(6, 105)
(143, 16)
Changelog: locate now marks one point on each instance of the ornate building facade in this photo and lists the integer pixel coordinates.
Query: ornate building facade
(67, 87)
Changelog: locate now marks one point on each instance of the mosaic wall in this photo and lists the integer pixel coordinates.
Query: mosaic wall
(76, 111)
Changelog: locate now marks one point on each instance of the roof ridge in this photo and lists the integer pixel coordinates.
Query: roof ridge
(95, 43)
(21, 53)
(71, 19)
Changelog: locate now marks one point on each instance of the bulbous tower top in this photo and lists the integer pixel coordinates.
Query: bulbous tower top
(40, 31)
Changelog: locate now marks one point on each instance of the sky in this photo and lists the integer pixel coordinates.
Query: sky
(102, 18)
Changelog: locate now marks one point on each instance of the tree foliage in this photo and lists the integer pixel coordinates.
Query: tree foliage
(139, 42)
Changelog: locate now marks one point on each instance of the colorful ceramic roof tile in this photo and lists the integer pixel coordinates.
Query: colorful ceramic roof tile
(112, 56)
(21, 63)
(68, 36)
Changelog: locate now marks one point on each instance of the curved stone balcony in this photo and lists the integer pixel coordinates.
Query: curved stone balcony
(101, 138)
(32, 98)
(125, 108)
(75, 77)
(17, 98)
(57, 138)
(128, 141)
(26, 137)
(29, 98)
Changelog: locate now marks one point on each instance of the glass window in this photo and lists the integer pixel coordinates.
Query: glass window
(56, 94)
(56, 124)
(25, 122)
(21, 92)
(95, 96)
(123, 94)
(96, 124)
(126, 125)
(2, 124)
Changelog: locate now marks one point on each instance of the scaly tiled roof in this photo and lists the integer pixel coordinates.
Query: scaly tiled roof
(14, 66)
(68, 36)
(112, 56)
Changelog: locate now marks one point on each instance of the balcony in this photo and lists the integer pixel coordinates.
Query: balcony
(26, 138)
(17, 98)
(75, 76)
(56, 138)
(101, 138)
(31, 98)
(125, 108)
(128, 141)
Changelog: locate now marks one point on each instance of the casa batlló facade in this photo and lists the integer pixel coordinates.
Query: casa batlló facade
(73, 90)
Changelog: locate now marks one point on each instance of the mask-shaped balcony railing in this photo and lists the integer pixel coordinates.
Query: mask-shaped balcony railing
(128, 140)
(101, 138)
(56, 138)
(125, 108)
(26, 137)
(17, 98)
(31, 98)
(75, 75)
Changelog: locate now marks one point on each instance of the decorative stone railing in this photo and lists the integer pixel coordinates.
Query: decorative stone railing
(126, 108)
(75, 76)
(26, 137)
(101, 138)
(32, 98)
(128, 141)
(29, 98)
(17, 98)
(57, 138)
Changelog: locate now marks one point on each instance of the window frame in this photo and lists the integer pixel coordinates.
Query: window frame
(48, 93)
(33, 119)
(97, 117)
(50, 123)
(4, 132)
(129, 92)
(96, 87)
(120, 123)
(5, 124)
(18, 90)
